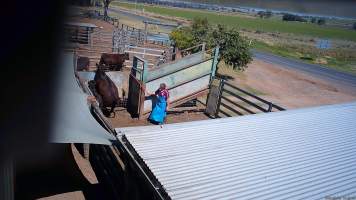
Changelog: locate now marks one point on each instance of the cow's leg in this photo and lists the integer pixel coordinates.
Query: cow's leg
(112, 109)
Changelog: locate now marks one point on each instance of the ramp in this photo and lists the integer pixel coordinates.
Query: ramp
(186, 79)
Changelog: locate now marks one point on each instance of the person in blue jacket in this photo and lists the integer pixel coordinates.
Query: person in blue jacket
(159, 111)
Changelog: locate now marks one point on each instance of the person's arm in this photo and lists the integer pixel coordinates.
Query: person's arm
(149, 93)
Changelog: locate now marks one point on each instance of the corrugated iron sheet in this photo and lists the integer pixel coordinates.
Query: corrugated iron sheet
(298, 154)
(73, 122)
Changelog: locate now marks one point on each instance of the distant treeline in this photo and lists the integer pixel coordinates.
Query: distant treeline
(297, 18)
(291, 17)
(180, 4)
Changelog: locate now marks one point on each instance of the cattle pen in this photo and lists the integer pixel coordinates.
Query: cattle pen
(219, 140)
(302, 160)
(177, 161)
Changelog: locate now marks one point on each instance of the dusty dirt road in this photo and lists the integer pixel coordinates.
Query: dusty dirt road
(290, 88)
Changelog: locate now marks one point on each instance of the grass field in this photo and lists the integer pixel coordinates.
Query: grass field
(345, 60)
(267, 25)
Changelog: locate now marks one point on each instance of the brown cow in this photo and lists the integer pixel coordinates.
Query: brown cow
(83, 64)
(113, 61)
(106, 92)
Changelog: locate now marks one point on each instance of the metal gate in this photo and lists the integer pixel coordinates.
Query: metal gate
(227, 100)
(136, 95)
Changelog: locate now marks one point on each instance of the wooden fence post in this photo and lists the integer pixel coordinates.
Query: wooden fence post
(221, 87)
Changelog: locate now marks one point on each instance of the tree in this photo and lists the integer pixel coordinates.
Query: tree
(354, 26)
(182, 37)
(321, 21)
(265, 14)
(290, 17)
(234, 49)
(106, 7)
(313, 20)
(200, 30)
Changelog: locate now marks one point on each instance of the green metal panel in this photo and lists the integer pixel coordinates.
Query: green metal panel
(181, 76)
(215, 62)
(182, 83)
(176, 65)
(183, 91)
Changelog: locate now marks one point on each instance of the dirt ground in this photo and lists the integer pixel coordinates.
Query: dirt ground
(291, 89)
(123, 119)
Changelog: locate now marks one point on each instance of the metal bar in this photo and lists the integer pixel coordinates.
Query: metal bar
(245, 100)
(187, 49)
(256, 97)
(237, 105)
(142, 53)
(150, 49)
(215, 62)
(226, 114)
(229, 108)
(249, 94)
(145, 70)
(278, 107)
(186, 67)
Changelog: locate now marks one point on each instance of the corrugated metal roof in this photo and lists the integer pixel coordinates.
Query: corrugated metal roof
(298, 154)
(73, 122)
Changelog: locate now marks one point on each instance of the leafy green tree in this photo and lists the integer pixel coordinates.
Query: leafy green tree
(321, 21)
(313, 20)
(200, 30)
(265, 14)
(182, 37)
(234, 49)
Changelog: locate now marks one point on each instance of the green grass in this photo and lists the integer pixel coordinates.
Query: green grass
(267, 25)
(347, 65)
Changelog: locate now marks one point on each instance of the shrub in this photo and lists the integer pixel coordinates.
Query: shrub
(290, 17)
(234, 49)
(321, 21)
(182, 37)
(265, 14)
(313, 20)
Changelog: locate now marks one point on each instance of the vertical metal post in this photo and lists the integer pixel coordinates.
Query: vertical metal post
(144, 72)
(146, 31)
(221, 87)
(215, 62)
(269, 107)
(134, 67)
